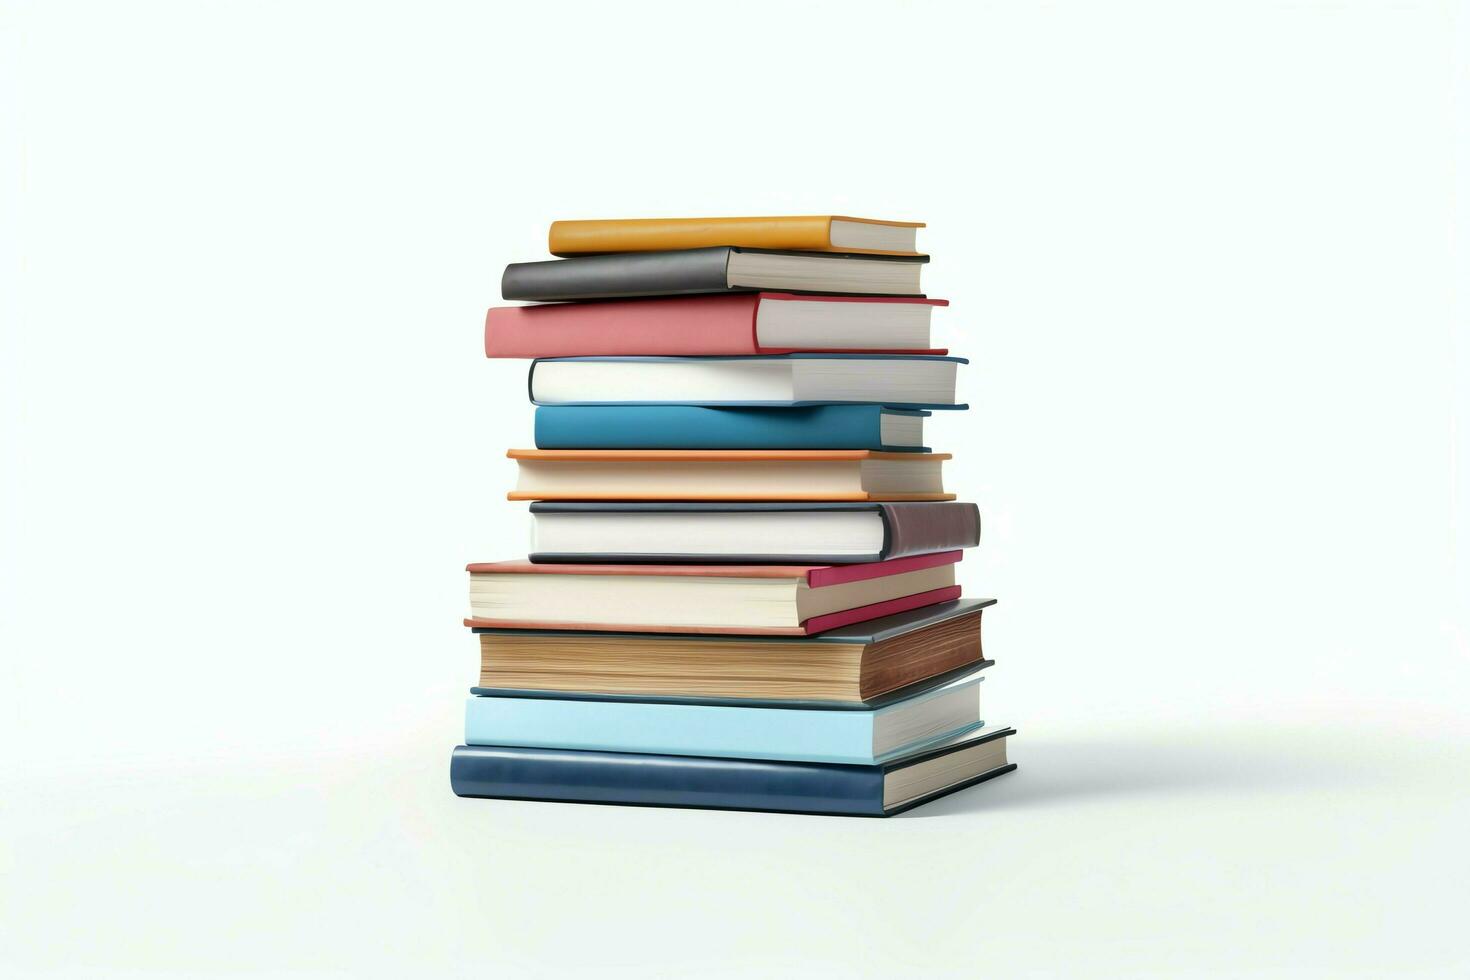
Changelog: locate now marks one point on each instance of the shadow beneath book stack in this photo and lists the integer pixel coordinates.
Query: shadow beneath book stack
(1067, 773)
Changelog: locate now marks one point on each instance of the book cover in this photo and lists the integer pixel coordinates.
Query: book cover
(847, 666)
(909, 528)
(704, 474)
(750, 369)
(865, 704)
(717, 427)
(577, 776)
(788, 732)
(809, 233)
(814, 576)
(633, 274)
(866, 632)
(675, 325)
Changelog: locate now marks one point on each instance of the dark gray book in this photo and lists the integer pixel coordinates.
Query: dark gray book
(747, 533)
(710, 270)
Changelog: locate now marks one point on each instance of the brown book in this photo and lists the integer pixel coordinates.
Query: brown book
(849, 665)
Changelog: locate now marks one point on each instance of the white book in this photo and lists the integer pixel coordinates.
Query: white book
(910, 381)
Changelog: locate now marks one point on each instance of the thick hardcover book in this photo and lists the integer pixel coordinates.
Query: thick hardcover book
(811, 233)
(572, 776)
(911, 381)
(855, 737)
(728, 427)
(727, 474)
(710, 270)
(777, 600)
(732, 324)
(676, 532)
(854, 666)
(812, 704)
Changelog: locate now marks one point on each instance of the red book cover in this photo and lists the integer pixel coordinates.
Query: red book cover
(816, 576)
(813, 626)
(676, 326)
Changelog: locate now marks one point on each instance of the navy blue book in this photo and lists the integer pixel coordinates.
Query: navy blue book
(873, 427)
(577, 776)
(913, 381)
(716, 532)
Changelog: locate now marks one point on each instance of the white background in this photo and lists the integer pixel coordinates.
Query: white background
(1207, 265)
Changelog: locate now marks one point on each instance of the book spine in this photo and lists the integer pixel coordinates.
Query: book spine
(832, 621)
(699, 427)
(664, 780)
(920, 529)
(819, 577)
(693, 326)
(699, 270)
(672, 729)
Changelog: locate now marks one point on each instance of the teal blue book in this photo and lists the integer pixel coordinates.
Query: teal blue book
(797, 734)
(874, 427)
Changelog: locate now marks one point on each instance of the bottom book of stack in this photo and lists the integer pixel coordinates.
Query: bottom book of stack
(868, 720)
(578, 776)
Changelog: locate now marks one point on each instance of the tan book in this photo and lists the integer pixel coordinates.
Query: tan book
(850, 665)
(727, 474)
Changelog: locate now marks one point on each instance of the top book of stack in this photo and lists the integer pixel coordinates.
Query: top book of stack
(800, 233)
(684, 256)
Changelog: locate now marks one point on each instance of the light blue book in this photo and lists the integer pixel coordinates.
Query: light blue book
(799, 734)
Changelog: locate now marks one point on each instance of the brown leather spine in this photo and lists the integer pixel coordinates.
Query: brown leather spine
(904, 660)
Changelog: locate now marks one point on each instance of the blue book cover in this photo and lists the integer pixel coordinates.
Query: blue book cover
(718, 427)
(629, 779)
(797, 734)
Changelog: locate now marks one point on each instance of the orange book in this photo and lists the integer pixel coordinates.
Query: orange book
(727, 474)
(798, 233)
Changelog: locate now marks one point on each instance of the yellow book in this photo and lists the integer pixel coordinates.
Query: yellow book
(802, 233)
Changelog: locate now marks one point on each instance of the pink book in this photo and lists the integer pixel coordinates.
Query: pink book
(721, 324)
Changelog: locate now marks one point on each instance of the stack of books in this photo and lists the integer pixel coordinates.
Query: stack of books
(741, 589)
